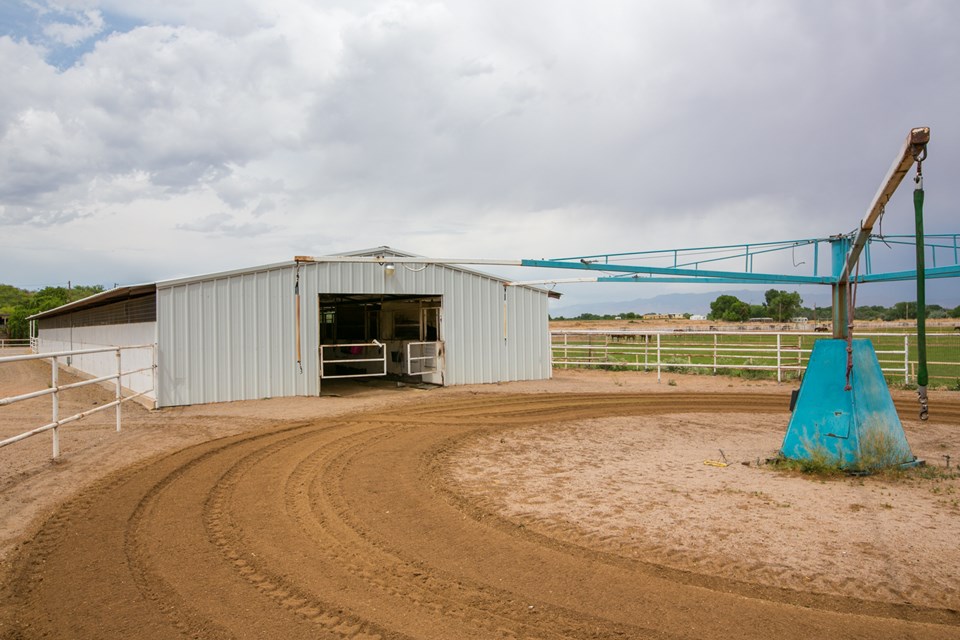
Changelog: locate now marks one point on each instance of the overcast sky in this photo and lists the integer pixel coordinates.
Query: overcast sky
(141, 141)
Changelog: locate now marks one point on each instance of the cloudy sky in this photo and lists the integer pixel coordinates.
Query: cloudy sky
(144, 141)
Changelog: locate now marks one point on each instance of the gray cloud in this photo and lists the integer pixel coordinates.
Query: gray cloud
(563, 130)
(14, 215)
(223, 224)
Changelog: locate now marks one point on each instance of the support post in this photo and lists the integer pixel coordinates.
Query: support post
(839, 246)
(658, 358)
(118, 392)
(153, 373)
(714, 354)
(55, 384)
(779, 376)
(906, 359)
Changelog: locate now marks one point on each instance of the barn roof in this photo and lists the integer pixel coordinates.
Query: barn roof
(133, 291)
(98, 299)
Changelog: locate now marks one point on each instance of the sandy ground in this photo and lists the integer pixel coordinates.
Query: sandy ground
(598, 478)
(639, 487)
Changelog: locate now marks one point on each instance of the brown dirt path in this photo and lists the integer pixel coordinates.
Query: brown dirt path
(348, 527)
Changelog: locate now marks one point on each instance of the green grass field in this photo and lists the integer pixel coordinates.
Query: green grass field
(754, 355)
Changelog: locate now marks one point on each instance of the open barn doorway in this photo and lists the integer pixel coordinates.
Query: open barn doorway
(387, 336)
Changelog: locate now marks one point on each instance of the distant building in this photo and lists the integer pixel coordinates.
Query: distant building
(698, 317)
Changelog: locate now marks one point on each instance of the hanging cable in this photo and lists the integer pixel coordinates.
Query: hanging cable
(883, 210)
(851, 308)
(793, 255)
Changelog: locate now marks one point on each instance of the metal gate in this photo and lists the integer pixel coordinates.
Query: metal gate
(423, 358)
(357, 360)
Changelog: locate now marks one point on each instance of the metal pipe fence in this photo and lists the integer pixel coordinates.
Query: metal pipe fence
(13, 343)
(56, 388)
(777, 355)
(354, 360)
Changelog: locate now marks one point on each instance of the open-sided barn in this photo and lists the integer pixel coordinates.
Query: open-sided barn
(282, 329)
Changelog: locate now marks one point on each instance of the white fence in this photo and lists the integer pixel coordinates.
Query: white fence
(12, 343)
(55, 388)
(423, 358)
(356, 360)
(781, 352)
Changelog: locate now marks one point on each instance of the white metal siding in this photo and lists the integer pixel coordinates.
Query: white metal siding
(228, 338)
(528, 335)
(102, 364)
(232, 337)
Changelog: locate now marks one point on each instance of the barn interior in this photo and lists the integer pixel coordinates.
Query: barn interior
(392, 336)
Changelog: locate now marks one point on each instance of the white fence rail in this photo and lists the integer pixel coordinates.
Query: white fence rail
(423, 358)
(780, 352)
(356, 360)
(12, 343)
(55, 388)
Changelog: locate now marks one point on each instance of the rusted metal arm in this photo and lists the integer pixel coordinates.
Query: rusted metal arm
(913, 147)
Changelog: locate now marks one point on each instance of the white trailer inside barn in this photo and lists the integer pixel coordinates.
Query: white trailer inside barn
(283, 329)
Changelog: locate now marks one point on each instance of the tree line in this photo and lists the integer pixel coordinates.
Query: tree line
(19, 304)
(782, 306)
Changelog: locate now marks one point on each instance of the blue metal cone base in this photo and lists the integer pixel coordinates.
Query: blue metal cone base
(857, 428)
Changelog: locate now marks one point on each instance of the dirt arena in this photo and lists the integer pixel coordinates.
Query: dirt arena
(578, 507)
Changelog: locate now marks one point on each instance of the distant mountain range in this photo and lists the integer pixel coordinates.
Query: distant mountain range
(692, 303)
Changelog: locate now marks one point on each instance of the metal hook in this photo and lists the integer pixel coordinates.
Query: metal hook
(919, 155)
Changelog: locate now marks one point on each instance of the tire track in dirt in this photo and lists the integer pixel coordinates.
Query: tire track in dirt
(347, 529)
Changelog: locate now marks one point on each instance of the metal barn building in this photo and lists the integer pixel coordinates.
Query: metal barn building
(283, 329)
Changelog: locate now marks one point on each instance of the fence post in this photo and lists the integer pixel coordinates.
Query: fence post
(779, 377)
(714, 354)
(55, 383)
(153, 374)
(658, 358)
(118, 392)
(906, 359)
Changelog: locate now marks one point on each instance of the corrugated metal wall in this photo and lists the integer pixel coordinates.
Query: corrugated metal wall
(52, 340)
(231, 337)
(228, 338)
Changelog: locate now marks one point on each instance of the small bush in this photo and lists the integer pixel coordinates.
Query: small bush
(879, 449)
(822, 462)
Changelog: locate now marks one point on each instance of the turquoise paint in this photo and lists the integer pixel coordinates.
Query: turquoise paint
(829, 418)
(669, 271)
(689, 262)
(930, 273)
